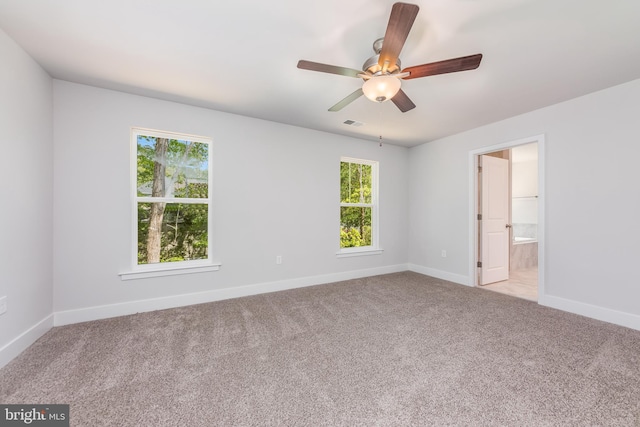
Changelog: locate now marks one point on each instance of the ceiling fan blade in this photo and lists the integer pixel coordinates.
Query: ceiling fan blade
(326, 68)
(400, 23)
(346, 101)
(403, 102)
(463, 63)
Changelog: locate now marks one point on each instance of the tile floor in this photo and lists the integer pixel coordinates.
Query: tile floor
(522, 284)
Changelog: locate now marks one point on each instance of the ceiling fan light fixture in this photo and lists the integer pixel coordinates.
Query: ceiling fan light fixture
(381, 88)
(382, 72)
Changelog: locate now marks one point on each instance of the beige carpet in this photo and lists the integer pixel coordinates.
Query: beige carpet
(394, 350)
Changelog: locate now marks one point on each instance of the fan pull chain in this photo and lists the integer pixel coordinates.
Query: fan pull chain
(380, 121)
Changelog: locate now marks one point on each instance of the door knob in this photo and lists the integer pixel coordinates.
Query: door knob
(507, 226)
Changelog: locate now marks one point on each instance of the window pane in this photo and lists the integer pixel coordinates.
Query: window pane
(355, 183)
(355, 227)
(345, 193)
(169, 232)
(172, 168)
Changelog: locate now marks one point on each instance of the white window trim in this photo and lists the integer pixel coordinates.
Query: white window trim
(182, 268)
(360, 251)
(143, 271)
(374, 248)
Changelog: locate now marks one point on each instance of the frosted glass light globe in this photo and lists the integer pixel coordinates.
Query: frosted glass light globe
(381, 88)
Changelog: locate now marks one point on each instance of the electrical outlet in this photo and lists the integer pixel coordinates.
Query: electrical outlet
(279, 259)
(3, 305)
(443, 253)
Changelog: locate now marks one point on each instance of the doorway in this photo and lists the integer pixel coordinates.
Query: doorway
(508, 218)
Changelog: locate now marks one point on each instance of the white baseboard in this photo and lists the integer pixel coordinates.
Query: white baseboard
(140, 306)
(439, 274)
(593, 311)
(24, 340)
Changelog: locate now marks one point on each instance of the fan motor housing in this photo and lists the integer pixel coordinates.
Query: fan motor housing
(371, 65)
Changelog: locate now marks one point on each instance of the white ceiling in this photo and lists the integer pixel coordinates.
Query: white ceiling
(240, 56)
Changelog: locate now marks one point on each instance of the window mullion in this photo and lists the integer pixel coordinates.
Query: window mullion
(145, 199)
(356, 205)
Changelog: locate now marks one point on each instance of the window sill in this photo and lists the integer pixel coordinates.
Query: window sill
(358, 252)
(161, 271)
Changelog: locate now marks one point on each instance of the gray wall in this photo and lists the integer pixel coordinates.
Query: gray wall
(276, 192)
(592, 201)
(26, 173)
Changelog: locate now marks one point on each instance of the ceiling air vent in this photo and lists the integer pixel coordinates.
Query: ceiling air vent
(352, 123)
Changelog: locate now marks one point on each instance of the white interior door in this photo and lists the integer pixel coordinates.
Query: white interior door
(495, 227)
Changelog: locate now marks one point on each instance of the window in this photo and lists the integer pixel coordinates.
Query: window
(358, 206)
(172, 199)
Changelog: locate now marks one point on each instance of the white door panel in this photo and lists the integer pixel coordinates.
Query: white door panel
(495, 234)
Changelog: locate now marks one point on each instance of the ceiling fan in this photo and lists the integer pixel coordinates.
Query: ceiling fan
(382, 72)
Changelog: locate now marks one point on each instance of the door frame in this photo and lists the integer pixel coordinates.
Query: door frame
(473, 206)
